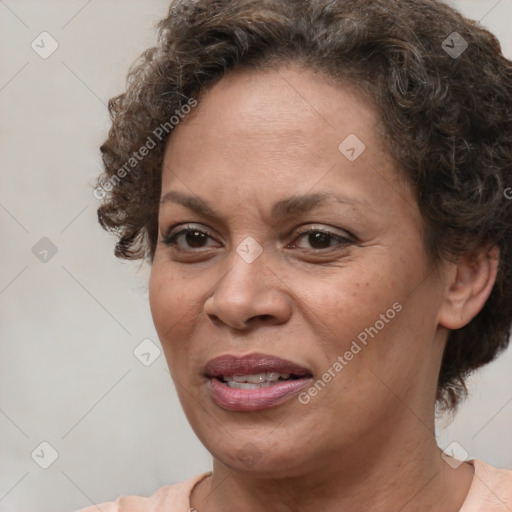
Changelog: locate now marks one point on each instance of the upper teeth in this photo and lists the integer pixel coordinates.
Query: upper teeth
(257, 378)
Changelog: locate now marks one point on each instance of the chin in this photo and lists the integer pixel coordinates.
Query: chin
(257, 451)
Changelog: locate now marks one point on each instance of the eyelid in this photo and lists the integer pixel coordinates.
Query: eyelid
(342, 240)
(300, 230)
(184, 227)
(324, 229)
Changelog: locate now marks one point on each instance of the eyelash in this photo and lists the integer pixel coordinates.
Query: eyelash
(170, 239)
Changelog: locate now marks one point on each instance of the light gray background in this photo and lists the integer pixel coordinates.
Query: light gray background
(69, 325)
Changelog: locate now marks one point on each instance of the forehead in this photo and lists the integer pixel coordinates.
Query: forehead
(267, 132)
(290, 103)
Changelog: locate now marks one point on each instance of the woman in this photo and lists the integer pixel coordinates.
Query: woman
(320, 187)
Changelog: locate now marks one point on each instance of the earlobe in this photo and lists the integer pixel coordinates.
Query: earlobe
(469, 285)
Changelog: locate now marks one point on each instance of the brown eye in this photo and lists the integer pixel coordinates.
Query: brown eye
(188, 239)
(196, 238)
(318, 239)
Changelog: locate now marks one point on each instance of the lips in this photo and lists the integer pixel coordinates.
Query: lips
(254, 382)
(229, 365)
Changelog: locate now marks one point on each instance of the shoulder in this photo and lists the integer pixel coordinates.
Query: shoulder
(490, 491)
(175, 496)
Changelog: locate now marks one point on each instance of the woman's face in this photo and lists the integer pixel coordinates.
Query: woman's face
(303, 245)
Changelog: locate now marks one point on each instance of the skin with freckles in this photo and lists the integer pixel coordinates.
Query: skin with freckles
(329, 269)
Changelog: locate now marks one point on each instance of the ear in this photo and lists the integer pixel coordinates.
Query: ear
(469, 284)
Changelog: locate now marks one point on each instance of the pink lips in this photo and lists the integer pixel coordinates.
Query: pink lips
(234, 399)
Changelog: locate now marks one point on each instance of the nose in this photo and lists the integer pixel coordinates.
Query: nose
(247, 295)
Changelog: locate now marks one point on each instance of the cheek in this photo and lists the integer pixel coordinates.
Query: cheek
(171, 292)
(171, 304)
(177, 297)
(367, 314)
(161, 297)
(347, 301)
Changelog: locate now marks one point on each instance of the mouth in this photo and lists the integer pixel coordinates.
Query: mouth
(254, 382)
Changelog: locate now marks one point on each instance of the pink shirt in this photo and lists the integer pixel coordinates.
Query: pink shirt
(490, 491)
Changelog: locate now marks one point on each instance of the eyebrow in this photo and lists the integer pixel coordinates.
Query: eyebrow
(288, 207)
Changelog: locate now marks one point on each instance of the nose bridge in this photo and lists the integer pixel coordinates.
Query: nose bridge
(248, 290)
(246, 277)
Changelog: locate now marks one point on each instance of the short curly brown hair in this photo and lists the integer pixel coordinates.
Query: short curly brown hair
(443, 90)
